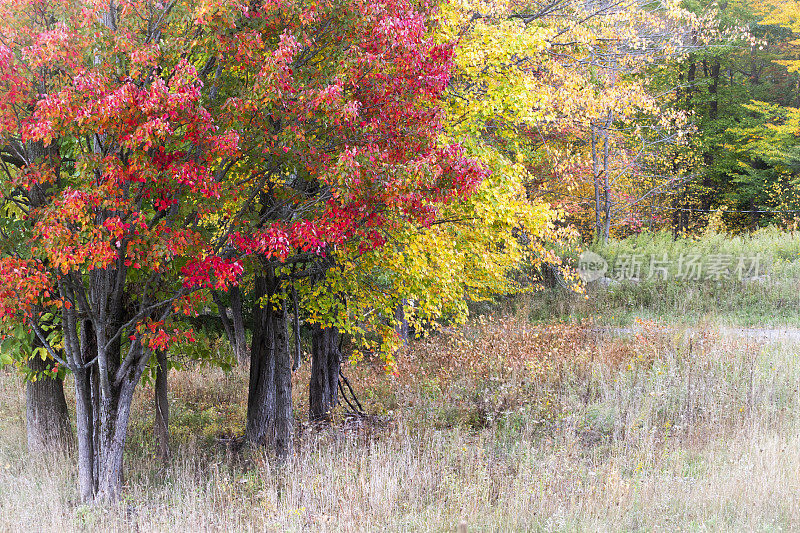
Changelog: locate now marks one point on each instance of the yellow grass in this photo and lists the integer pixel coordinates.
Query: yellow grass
(507, 426)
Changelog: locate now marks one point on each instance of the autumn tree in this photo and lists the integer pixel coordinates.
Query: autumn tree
(561, 91)
(474, 249)
(428, 267)
(336, 108)
(119, 240)
(47, 418)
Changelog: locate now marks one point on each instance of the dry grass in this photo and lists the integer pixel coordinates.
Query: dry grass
(508, 426)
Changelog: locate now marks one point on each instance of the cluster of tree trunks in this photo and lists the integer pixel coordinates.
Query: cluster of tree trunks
(102, 417)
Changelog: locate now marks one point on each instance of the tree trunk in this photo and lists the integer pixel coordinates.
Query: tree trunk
(102, 408)
(233, 324)
(104, 388)
(239, 335)
(708, 156)
(297, 358)
(713, 89)
(110, 475)
(161, 422)
(325, 361)
(115, 418)
(270, 420)
(284, 416)
(401, 323)
(84, 420)
(261, 391)
(606, 182)
(48, 426)
(598, 228)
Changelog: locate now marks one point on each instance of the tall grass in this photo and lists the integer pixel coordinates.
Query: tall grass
(770, 298)
(505, 425)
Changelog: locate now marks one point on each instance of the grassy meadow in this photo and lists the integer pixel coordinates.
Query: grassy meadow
(641, 408)
(768, 296)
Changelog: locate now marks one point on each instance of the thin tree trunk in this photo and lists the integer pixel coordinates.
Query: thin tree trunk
(297, 358)
(676, 198)
(88, 347)
(596, 179)
(48, 427)
(606, 184)
(325, 362)
(401, 323)
(84, 420)
(94, 386)
(227, 324)
(708, 155)
(713, 110)
(233, 324)
(681, 217)
(237, 318)
(161, 422)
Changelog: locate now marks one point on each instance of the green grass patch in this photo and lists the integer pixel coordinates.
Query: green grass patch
(712, 278)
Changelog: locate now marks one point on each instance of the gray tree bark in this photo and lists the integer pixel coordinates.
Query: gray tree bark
(325, 363)
(401, 322)
(234, 327)
(270, 421)
(48, 427)
(606, 183)
(237, 318)
(161, 401)
(598, 227)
